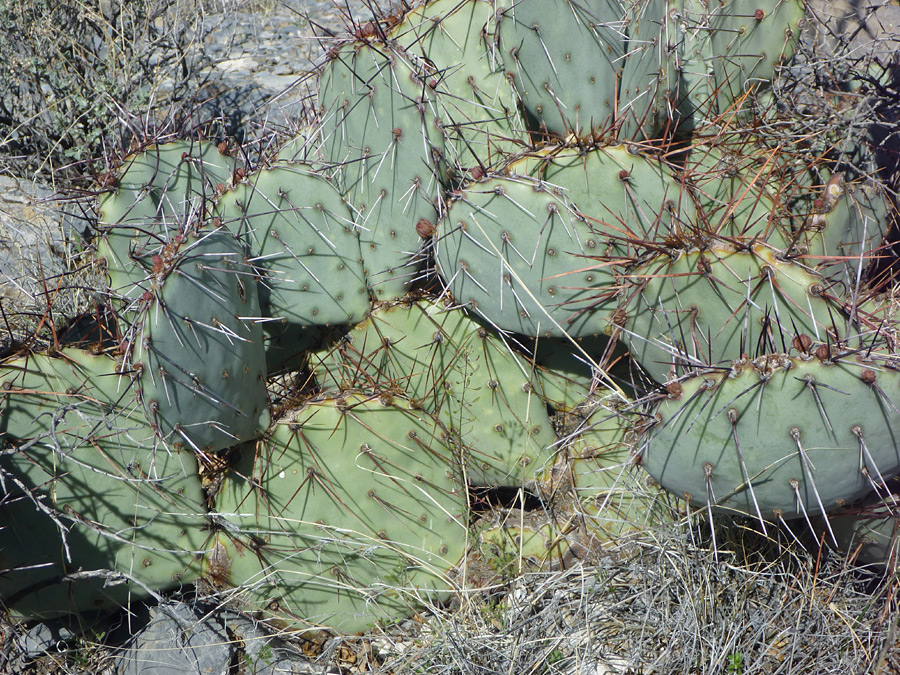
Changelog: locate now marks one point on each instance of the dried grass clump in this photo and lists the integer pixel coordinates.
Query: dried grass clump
(80, 80)
(666, 602)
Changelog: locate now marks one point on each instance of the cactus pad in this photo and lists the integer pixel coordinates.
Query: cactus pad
(200, 353)
(161, 191)
(778, 437)
(82, 457)
(353, 515)
(303, 242)
(481, 390)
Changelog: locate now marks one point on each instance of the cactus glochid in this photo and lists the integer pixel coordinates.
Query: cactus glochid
(519, 248)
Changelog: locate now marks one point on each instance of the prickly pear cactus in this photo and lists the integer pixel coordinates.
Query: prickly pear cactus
(474, 102)
(482, 392)
(778, 436)
(306, 247)
(373, 99)
(198, 350)
(565, 62)
(708, 307)
(525, 245)
(537, 251)
(159, 194)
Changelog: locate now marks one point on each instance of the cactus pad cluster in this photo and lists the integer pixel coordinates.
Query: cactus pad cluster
(526, 245)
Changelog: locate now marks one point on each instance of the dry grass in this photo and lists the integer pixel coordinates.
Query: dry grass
(663, 603)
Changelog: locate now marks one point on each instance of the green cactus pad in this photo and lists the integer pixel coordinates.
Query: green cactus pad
(354, 515)
(516, 251)
(200, 354)
(474, 103)
(745, 44)
(538, 252)
(711, 307)
(522, 543)
(867, 532)
(566, 60)
(483, 392)
(413, 349)
(632, 197)
(730, 190)
(386, 153)
(648, 92)
(161, 191)
(82, 449)
(842, 228)
(687, 63)
(36, 391)
(304, 244)
(777, 437)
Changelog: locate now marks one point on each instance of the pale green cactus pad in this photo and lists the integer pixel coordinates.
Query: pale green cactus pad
(386, 154)
(778, 436)
(94, 511)
(354, 514)
(304, 245)
(483, 392)
(709, 307)
(200, 355)
(160, 194)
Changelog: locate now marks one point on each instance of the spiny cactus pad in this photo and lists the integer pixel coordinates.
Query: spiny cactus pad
(200, 354)
(651, 88)
(730, 188)
(303, 242)
(710, 307)
(515, 250)
(744, 45)
(538, 252)
(612, 494)
(482, 391)
(387, 153)
(349, 513)
(565, 60)
(474, 104)
(778, 436)
(632, 198)
(843, 228)
(159, 194)
(88, 492)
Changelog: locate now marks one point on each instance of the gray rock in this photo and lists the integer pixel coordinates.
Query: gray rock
(32, 239)
(43, 638)
(870, 27)
(177, 642)
(40, 238)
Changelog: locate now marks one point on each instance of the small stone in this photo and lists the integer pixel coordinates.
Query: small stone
(177, 642)
(43, 638)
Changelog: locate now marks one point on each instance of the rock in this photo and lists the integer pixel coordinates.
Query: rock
(43, 638)
(33, 233)
(177, 642)
(39, 238)
(872, 27)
